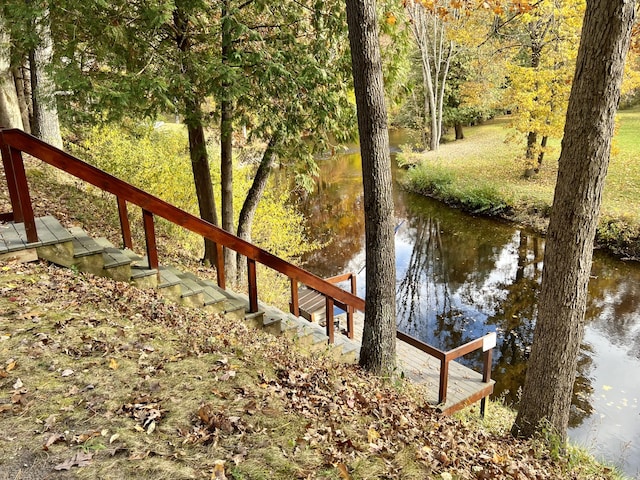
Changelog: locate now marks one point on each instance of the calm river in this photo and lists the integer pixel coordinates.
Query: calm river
(459, 277)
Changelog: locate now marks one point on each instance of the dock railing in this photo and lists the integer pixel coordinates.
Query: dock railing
(486, 343)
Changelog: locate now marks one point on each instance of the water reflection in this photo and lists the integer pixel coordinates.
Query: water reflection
(459, 277)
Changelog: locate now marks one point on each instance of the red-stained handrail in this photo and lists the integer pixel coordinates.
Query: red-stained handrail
(13, 142)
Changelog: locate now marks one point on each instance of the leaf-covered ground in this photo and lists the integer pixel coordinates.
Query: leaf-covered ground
(101, 380)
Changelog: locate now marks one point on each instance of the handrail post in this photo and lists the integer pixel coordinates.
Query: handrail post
(253, 285)
(220, 266)
(329, 319)
(350, 329)
(444, 379)
(295, 299)
(150, 237)
(125, 227)
(19, 191)
(486, 376)
(350, 310)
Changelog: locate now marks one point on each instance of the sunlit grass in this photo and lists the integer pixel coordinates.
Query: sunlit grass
(485, 161)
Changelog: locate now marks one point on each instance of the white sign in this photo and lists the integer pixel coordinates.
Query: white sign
(488, 341)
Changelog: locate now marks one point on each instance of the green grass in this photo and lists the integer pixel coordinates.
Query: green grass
(484, 173)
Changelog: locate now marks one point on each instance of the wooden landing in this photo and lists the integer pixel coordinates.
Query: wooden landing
(465, 385)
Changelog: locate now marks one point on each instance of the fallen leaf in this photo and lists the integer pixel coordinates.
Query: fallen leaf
(80, 459)
(67, 372)
(49, 422)
(10, 367)
(113, 365)
(53, 438)
(218, 471)
(344, 473)
(18, 385)
(372, 435)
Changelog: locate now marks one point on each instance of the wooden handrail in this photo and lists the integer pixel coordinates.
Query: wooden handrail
(13, 141)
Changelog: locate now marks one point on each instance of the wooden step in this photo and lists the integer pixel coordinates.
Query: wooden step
(141, 275)
(117, 265)
(86, 252)
(54, 242)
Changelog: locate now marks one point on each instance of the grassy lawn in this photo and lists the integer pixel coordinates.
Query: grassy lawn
(484, 174)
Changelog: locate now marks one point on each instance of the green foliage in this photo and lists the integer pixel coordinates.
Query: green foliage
(157, 161)
(154, 160)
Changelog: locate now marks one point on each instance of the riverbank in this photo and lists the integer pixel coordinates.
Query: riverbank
(484, 175)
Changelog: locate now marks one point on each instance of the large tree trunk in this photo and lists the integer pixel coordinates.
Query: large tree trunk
(226, 144)
(9, 106)
(254, 195)
(378, 352)
(44, 124)
(567, 263)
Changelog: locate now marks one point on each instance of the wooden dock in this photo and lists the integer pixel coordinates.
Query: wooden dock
(464, 386)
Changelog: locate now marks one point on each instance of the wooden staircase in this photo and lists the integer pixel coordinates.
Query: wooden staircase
(74, 248)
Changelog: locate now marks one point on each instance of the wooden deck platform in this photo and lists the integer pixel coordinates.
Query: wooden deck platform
(465, 386)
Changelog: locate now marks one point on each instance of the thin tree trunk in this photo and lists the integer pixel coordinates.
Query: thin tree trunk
(23, 96)
(378, 352)
(459, 131)
(582, 170)
(532, 137)
(254, 195)
(226, 144)
(543, 144)
(202, 175)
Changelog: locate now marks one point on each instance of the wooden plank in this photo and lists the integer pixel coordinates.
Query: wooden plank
(12, 239)
(58, 232)
(83, 244)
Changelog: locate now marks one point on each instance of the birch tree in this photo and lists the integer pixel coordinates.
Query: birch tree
(436, 50)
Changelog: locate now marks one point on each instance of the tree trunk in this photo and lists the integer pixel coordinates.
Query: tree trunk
(378, 352)
(45, 124)
(254, 195)
(197, 141)
(543, 144)
(459, 133)
(202, 175)
(24, 96)
(532, 137)
(9, 106)
(226, 144)
(569, 248)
